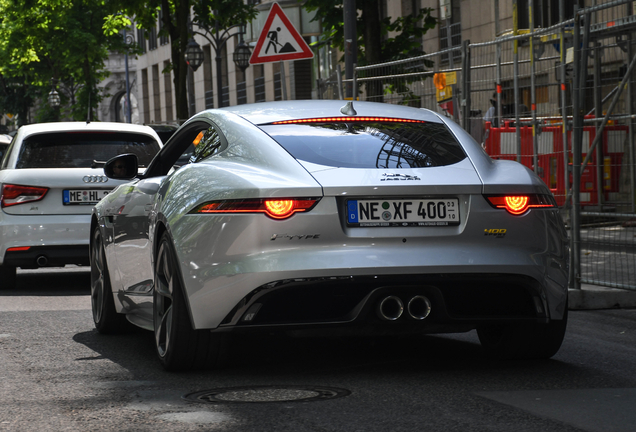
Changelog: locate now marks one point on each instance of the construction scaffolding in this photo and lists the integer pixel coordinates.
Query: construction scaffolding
(563, 99)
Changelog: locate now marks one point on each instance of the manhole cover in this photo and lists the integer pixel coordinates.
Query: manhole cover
(266, 394)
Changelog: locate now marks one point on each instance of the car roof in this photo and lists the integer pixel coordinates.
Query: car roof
(37, 128)
(267, 112)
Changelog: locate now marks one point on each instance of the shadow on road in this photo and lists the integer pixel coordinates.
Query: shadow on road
(267, 355)
(67, 281)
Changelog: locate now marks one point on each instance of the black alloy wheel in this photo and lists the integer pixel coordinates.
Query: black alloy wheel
(179, 346)
(105, 316)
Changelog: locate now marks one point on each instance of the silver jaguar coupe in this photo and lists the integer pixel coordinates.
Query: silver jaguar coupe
(321, 217)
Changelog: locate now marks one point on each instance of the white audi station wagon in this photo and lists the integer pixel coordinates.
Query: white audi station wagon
(50, 177)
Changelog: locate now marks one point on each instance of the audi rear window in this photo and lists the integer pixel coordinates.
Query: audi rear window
(81, 149)
(362, 144)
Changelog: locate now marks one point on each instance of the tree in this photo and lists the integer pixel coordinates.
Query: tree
(175, 22)
(374, 43)
(50, 41)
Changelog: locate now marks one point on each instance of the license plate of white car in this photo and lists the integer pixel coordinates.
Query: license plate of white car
(83, 196)
(403, 212)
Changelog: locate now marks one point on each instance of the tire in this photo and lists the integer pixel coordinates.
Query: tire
(179, 346)
(7, 277)
(523, 341)
(105, 316)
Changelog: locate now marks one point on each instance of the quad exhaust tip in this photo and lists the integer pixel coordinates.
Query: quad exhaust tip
(419, 307)
(391, 308)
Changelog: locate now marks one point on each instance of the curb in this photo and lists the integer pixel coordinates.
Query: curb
(591, 297)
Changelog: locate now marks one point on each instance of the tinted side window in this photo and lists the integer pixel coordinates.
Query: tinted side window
(80, 149)
(369, 145)
(206, 144)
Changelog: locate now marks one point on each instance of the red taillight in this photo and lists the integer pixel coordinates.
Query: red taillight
(18, 249)
(516, 204)
(279, 208)
(519, 204)
(17, 194)
(274, 208)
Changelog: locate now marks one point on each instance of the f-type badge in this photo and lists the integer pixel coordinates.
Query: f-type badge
(294, 237)
(398, 177)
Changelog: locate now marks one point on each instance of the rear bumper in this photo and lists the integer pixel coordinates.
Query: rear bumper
(62, 238)
(457, 303)
(47, 256)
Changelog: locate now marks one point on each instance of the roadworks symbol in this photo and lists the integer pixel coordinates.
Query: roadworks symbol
(495, 232)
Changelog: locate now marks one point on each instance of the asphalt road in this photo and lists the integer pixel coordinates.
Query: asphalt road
(57, 373)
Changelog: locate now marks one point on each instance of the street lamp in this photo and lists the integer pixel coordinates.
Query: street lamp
(193, 54)
(54, 98)
(241, 55)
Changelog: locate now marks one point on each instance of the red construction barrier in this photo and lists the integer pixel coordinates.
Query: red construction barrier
(501, 143)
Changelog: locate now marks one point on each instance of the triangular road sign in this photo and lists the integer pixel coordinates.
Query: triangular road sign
(279, 40)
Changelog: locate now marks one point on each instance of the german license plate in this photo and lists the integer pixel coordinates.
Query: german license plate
(83, 196)
(403, 212)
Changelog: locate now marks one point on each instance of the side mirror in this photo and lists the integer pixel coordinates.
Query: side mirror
(122, 167)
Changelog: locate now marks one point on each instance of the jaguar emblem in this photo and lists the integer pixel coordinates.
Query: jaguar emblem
(398, 177)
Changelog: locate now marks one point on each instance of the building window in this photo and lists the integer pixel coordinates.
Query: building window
(141, 40)
(145, 96)
(546, 12)
(259, 83)
(152, 39)
(192, 99)
(241, 87)
(303, 78)
(225, 91)
(278, 95)
(156, 93)
(208, 87)
(450, 30)
(164, 39)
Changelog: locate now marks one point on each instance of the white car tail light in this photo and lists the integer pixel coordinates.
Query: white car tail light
(18, 194)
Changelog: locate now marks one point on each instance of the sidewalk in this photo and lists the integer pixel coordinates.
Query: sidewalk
(597, 297)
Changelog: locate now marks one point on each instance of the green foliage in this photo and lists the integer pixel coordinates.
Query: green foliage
(45, 40)
(227, 12)
(406, 43)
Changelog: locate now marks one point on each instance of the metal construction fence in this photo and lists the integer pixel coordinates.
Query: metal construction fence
(562, 101)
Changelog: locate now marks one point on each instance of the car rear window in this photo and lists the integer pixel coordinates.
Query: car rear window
(82, 149)
(369, 144)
